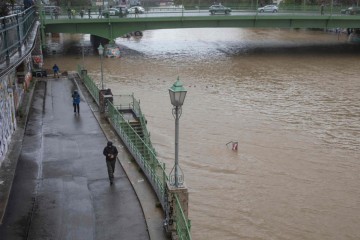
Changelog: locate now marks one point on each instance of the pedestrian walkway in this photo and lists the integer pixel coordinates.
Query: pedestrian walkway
(61, 189)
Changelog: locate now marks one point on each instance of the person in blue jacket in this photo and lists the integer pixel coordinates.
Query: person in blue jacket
(76, 101)
(56, 70)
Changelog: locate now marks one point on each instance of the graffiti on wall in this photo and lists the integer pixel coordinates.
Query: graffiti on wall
(7, 120)
(38, 60)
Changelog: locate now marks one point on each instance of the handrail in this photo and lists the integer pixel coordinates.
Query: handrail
(14, 29)
(129, 101)
(252, 7)
(90, 85)
(143, 153)
(183, 225)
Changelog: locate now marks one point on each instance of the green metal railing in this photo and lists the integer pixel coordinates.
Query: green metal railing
(142, 151)
(129, 101)
(154, 7)
(14, 30)
(143, 154)
(183, 225)
(90, 85)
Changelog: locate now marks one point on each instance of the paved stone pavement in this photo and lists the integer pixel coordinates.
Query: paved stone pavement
(60, 188)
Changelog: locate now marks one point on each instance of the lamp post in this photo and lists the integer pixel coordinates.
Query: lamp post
(101, 52)
(177, 96)
(83, 57)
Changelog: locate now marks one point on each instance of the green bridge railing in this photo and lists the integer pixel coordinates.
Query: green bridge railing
(142, 151)
(90, 84)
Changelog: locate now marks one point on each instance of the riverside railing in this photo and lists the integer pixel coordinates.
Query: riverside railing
(154, 8)
(143, 154)
(90, 85)
(14, 29)
(183, 225)
(129, 101)
(142, 151)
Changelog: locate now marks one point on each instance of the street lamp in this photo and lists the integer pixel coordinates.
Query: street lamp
(177, 96)
(101, 53)
(83, 57)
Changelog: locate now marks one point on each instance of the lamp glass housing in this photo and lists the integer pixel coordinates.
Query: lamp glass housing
(177, 94)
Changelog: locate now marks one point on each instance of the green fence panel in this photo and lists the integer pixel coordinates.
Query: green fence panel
(141, 149)
(182, 223)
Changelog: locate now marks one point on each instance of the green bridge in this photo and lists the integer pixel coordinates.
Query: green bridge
(113, 27)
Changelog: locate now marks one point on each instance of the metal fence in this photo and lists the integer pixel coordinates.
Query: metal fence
(90, 85)
(14, 30)
(129, 102)
(183, 225)
(153, 8)
(141, 149)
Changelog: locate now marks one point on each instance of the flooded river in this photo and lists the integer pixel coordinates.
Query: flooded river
(290, 98)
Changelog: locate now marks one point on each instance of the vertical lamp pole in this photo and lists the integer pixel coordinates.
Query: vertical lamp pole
(101, 52)
(177, 96)
(182, 10)
(83, 58)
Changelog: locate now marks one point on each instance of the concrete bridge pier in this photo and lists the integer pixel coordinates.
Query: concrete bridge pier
(96, 40)
(354, 35)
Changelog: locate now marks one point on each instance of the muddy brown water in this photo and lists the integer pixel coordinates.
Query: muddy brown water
(290, 98)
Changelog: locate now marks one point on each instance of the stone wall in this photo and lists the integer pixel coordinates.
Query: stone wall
(7, 115)
(12, 88)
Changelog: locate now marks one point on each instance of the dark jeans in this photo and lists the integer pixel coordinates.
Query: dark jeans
(76, 107)
(111, 168)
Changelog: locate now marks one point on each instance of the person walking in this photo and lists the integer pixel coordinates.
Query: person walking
(28, 4)
(322, 8)
(136, 12)
(73, 13)
(76, 101)
(56, 70)
(69, 12)
(82, 11)
(56, 13)
(110, 152)
(100, 12)
(89, 12)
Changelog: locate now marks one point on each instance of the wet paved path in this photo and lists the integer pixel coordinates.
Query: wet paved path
(61, 189)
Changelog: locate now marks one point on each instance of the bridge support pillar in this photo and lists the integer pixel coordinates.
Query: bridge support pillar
(96, 40)
(173, 211)
(105, 96)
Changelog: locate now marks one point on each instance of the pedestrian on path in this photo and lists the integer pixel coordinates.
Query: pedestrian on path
(56, 13)
(82, 12)
(69, 12)
(100, 12)
(322, 7)
(136, 12)
(110, 152)
(89, 12)
(73, 13)
(76, 101)
(56, 70)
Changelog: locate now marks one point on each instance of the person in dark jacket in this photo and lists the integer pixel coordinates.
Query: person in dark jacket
(110, 152)
(76, 101)
(28, 3)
